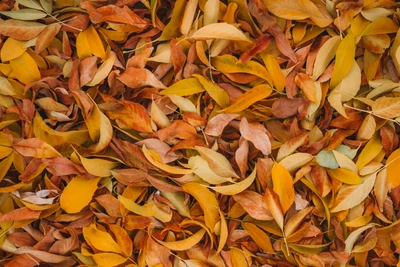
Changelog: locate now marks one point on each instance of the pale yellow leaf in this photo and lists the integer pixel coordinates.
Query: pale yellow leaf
(350, 196)
(234, 189)
(217, 162)
(295, 161)
(220, 30)
(298, 10)
(324, 56)
(188, 16)
(386, 107)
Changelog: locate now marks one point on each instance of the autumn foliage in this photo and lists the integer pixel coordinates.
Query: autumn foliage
(193, 133)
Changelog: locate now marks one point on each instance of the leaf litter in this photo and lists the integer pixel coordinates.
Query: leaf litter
(199, 133)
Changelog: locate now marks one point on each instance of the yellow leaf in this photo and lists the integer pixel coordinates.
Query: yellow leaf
(244, 101)
(274, 207)
(184, 104)
(354, 236)
(55, 138)
(156, 161)
(345, 162)
(359, 221)
(296, 220)
(230, 64)
(108, 259)
(295, 161)
(185, 87)
(386, 107)
(188, 16)
(217, 162)
(114, 35)
(96, 46)
(350, 196)
(216, 92)
(346, 89)
(207, 202)
(83, 46)
(234, 189)
(5, 87)
(370, 151)
(345, 176)
(103, 71)
(145, 210)
(184, 244)
(170, 29)
(283, 186)
(122, 238)
(100, 129)
(98, 167)
(77, 194)
(25, 68)
(325, 55)
(298, 10)
(238, 259)
(309, 249)
(201, 168)
(344, 59)
(222, 31)
(100, 240)
(5, 164)
(223, 233)
(177, 199)
(393, 167)
(211, 10)
(278, 78)
(12, 49)
(381, 25)
(259, 236)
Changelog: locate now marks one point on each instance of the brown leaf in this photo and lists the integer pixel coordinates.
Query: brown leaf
(128, 115)
(135, 78)
(254, 204)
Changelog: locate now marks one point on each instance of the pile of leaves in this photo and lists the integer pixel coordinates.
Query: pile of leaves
(196, 133)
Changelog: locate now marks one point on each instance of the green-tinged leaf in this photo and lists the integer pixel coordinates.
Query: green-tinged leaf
(24, 14)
